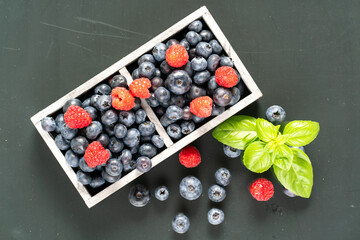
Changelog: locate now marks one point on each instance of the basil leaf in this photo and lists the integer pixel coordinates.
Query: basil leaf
(256, 158)
(299, 178)
(283, 157)
(265, 130)
(237, 132)
(301, 133)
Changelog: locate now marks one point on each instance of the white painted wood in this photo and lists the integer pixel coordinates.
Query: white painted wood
(121, 67)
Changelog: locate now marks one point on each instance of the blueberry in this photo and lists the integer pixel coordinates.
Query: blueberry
(206, 35)
(289, 193)
(174, 131)
(164, 104)
(190, 188)
(226, 61)
(146, 58)
(120, 130)
(201, 77)
(242, 87)
(132, 137)
(197, 119)
(110, 130)
(187, 127)
(157, 72)
(68, 133)
(118, 81)
(171, 42)
(187, 68)
(143, 164)
(213, 62)
(103, 139)
(162, 95)
(161, 193)
(83, 178)
(212, 85)
(97, 181)
(92, 112)
(185, 44)
(146, 128)
(159, 52)
(178, 82)
(203, 49)
(139, 195)
(79, 144)
(147, 69)
(223, 177)
(187, 115)
(102, 89)
(215, 216)
(86, 103)
(93, 130)
(196, 92)
(99, 167)
(152, 101)
(165, 121)
(135, 74)
(147, 150)
(137, 104)
(216, 47)
(157, 141)
(84, 167)
(193, 38)
(71, 158)
(195, 26)
(70, 102)
(165, 68)
(115, 145)
(217, 110)
(180, 223)
(93, 100)
(48, 124)
(127, 118)
(198, 63)
(216, 193)
(231, 152)
(192, 53)
(275, 114)
(235, 95)
(156, 82)
(145, 139)
(125, 158)
(134, 149)
(222, 96)
(177, 100)
(109, 178)
(113, 167)
(174, 112)
(131, 165)
(140, 116)
(110, 117)
(103, 102)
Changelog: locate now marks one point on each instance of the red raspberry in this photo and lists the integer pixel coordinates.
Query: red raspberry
(262, 189)
(201, 106)
(77, 117)
(122, 99)
(96, 154)
(140, 88)
(190, 157)
(177, 56)
(226, 76)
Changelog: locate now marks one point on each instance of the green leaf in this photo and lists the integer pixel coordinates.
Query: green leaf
(256, 158)
(265, 130)
(283, 157)
(299, 178)
(237, 132)
(301, 133)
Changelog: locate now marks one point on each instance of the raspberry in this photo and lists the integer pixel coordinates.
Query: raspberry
(201, 106)
(140, 88)
(96, 154)
(262, 189)
(176, 56)
(190, 157)
(77, 117)
(226, 77)
(122, 99)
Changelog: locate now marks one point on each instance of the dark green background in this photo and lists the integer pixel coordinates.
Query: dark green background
(304, 55)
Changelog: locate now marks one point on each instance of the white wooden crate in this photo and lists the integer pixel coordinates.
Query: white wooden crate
(121, 66)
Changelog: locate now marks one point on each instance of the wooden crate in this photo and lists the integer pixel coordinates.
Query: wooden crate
(121, 66)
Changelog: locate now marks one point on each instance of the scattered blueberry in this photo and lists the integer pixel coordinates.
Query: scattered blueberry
(165, 121)
(235, 96)
(132, 137)
(187, 68)
(165, 68)
(103, 102)
(110, 130)
(174, 112)
(177, 100)
(120, 130)
(222, 96)
(92, 112)
(199, 63)
(187, 127)
(97, 180)
(206, 35)
(161, 193)
(196, 91)
(178, 82)
(187, 115)
(147, 150)
(174, 131)
(86, 103)
(223, 177)
(68, 133)
(197, 119)
(157, 141)
(143, 164)
(84, 167)
(216, 193)
(93, 100)
(146, 128)
(192, 53)
(147, 69)
(195, 26)
(226, 61)
(118, 81)
(201, 77)
(83, 178)
(146, 58)
(127, 118)
(156, 82)
(102, 89)
(275, 114)
(79, 144)
(139, 195)
(70, 102)
(110, 117)
(231, 152)
(109, 178)
(113, 167)
(152, 101)
(217, 110)
(162, 95)
(212, 85)
(215, 216)
(193, 38)
(137, 104)
(135, 74)
(71, 158)
(103, 139)
(48, 124)
(180, 223)
(157, 72)
(93, 130)
(115, 145)
(159, 52)
(216, 47)
(190, 188)
(213, 62)
(171, 42)
(185, 44)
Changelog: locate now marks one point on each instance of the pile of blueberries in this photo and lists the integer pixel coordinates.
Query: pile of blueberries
(172, 89)
(128, 135)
